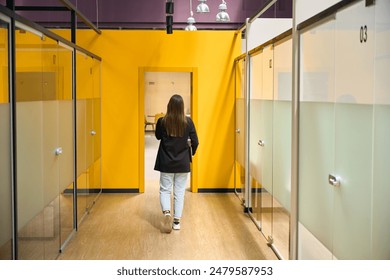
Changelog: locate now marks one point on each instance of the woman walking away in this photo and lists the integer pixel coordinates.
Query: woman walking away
(178, 144)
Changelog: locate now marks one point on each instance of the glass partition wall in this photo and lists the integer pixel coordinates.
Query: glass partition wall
(260, 139)
(44, 143)
(344, 135)
(342, 114)
(88, 120)
(5, 147)
(268, 119)
(41, 137)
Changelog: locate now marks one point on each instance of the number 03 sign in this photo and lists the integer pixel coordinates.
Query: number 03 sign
(363, 34)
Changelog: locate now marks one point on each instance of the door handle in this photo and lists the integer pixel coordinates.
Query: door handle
(238, 130)
(58, 151)
(261, 143)
(334, 180)
(93, 132)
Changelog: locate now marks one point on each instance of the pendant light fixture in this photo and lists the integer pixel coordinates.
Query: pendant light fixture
(191, 20)
(223, 16)
(202, 7)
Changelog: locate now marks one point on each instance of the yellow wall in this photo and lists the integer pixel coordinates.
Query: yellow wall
(124, 52)
(3, 66)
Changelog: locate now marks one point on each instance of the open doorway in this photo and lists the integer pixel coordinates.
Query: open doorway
(156, 88)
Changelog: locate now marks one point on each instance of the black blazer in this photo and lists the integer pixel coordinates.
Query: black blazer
(174, 153)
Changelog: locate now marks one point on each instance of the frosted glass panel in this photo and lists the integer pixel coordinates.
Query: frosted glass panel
(282, 123)
(65, 109)
(40, 84)
(344, 134)
(30, 175)
(381, 179)
(316, 158)
(353, 163)
(281, 186)
(316, 133)
(354, 85)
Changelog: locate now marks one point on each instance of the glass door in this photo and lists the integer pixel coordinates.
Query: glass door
(336, 124)
(265, 141)
(316, 140)
(83, 123)
(95, 133)
(281, 157)
(65, 140)
(39, 152)
(261, 140)
(240, 118)
(88, 123)
(353, 116)
(256, 143)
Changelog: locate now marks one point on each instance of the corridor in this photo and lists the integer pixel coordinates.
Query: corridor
(127, 226)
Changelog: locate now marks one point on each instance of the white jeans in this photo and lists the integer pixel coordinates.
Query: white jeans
(178, 181)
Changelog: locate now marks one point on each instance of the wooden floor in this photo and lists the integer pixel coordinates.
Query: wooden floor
(127, 226)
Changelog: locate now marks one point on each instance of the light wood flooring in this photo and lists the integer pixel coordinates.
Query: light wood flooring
(127, 226)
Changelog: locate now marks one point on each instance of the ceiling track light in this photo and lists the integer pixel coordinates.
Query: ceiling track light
(191, 20)
(222, 16)
(202, 7)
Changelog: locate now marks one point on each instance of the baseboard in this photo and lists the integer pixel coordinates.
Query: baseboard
(87, 191)
(228, 190)
(215, 190)
(120, 190)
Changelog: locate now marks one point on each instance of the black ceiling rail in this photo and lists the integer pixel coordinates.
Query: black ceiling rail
(71, 7)
(11, 14)
(68, 6)
(42, 8)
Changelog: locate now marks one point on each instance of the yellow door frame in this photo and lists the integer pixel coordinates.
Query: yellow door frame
(141, 118)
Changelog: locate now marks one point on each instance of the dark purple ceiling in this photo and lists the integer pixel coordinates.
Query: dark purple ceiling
(150, 14)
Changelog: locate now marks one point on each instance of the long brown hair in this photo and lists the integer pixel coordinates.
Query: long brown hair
(175, 120)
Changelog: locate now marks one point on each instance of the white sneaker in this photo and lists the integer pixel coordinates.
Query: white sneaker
(166, 224)
(176, 225)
